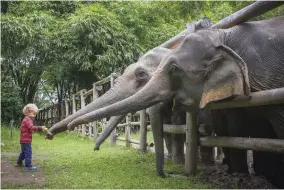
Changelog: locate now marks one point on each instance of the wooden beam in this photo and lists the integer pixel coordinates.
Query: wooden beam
(191, 143)
(143, 131)
(125, 124)
(133, 141)
(103, 81)
(243, 15)
(253, 10)
(267, 97)
(256, 144)
(128, 128)
(176, 129)
(89, 92)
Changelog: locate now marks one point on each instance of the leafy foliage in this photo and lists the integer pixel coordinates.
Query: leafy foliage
(97, 41)
(11, 103)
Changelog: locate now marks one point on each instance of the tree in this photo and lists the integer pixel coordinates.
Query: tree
(11, 103)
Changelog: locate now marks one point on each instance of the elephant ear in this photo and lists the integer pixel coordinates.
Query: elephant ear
(227, 77)
(193, 27)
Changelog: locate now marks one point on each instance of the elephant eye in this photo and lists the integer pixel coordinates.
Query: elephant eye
(140, 74)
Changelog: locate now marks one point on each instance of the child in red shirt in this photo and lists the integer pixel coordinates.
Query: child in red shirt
(27, 128)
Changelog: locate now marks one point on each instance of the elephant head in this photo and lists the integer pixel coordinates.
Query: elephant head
(199, 71)
(134, 77)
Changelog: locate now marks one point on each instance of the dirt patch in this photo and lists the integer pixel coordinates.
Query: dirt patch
(218, 177)
(10, 174)
(216, 174)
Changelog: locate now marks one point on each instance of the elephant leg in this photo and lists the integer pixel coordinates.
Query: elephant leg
(205, 129)
(169, 144)
(237, 127)
(157, 130)
(178, 148)
(268, 125)
(219, 124)
(207, 154)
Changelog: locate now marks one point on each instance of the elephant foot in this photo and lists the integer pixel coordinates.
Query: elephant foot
(161, 174)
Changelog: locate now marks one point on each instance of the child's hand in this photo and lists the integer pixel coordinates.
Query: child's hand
(44, 129)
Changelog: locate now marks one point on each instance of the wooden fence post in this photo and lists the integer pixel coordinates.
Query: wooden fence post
(191, 143)
(143, 131)
(95, 123)
(113, 133)
(62, 110)
(127, 129)
(66, 108)
(45, 116)
(52, 115)
(73, 104)
(74, 107)
(83, 126)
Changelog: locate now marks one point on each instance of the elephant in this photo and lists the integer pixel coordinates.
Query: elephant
(134, 76)
(214, 65)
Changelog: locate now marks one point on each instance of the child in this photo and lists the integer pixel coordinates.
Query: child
(27, 128)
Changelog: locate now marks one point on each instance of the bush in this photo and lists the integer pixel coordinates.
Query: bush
(11, 103)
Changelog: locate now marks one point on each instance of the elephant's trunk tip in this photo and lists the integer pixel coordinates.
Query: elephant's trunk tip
(49, 135)
(96, 148)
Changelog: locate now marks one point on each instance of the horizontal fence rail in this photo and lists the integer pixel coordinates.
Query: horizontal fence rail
(261, 98)
(257, 144)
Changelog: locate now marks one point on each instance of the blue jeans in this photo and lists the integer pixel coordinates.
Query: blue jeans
(26, 155)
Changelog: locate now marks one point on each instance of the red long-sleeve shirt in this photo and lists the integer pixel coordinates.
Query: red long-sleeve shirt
(27, 128)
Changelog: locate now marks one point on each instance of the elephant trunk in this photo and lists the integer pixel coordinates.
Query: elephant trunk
(152, 93)
(111, 124)
(115, 94)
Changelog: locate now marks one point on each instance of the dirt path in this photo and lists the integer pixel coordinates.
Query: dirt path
(16, 175)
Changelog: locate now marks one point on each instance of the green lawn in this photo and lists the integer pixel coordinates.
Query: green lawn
(69, 161)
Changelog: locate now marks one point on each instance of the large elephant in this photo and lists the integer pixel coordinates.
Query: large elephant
(134, 77)
(214, 65)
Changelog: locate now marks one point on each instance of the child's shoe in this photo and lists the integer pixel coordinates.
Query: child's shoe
(19, 165)
(31, 168)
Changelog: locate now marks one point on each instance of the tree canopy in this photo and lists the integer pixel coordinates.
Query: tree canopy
(51, 49)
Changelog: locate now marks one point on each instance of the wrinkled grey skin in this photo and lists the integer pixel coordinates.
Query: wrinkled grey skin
(134, 77)
(212, 65)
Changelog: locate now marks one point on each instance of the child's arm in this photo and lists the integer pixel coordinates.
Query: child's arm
(31, 126)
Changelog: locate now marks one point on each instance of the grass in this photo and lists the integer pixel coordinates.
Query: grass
(69, 162)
